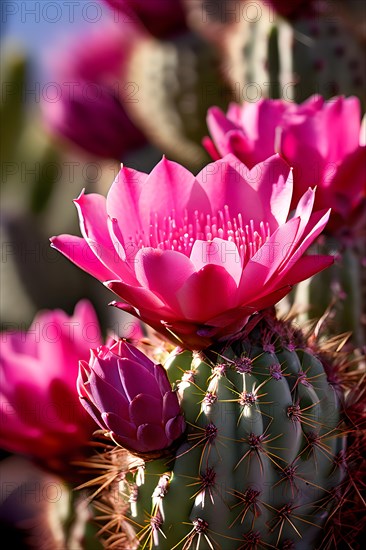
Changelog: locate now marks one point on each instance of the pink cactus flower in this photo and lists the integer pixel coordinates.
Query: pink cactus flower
(100, 126)
(290, 9)
(319, 139)
(161, 18)
(92, 93)
(41, 416)
(131, 397)
(195, 256)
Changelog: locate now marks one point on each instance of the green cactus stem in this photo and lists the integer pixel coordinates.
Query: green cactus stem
(262, 462)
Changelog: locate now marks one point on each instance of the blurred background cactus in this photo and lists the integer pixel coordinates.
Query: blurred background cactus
(86, 87)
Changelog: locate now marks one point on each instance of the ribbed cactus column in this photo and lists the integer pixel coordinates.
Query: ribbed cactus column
(317, 49)
(261, 457)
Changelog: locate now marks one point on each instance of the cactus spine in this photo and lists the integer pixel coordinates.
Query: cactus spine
(262, 461)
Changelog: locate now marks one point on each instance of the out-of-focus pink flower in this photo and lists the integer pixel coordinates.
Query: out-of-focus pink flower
(131, 397)
(161, 18)
(90, 105)
(289, 8)
(319, 139)
(195, 256)
(41, 416)
(101, 125)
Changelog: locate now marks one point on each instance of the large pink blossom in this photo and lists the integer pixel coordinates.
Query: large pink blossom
(41, 416)
(319, 139)
(195, 256)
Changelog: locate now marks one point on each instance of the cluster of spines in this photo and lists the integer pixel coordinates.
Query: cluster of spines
(231, 408)
(293, 485)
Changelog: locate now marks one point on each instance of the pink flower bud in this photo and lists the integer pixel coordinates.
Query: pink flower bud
(131, 397)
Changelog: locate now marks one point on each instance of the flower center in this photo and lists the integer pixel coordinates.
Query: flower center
(180, 235)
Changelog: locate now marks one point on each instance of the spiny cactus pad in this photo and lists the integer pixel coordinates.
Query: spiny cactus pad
(261, 459)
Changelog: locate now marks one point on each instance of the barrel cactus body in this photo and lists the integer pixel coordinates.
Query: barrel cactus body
(262, 457)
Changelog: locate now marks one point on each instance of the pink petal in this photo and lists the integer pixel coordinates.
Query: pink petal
(15, 368)
(124, 350)
(78, 251)
(260, 120)
(162, 380)
(274, 185)
(303, 213)
(303, 155)
(92, 411)
(136, 379)
(342, 120)
(238, 144)
(267, 261)
(122, 201)
(207, 293)
(224, 182)
(315, 226)
(126, 252)
(93, 224)
(117, 237)
(198, 201)
(219, 125)
(175, 427)
(28, 400)
(54, 348)
(209, 145)
(304, 210)
(82, 379)
(154, 319)
(306, 267)
(107, 398)
(236, 316)
(146, 408)
(171, 406)
(85, 313)
(136, 296)
(217, 252)
(312, 104)
(264, 191)
(107, 369)
(167, 189)
(234, 113)
(348, 187)
(163, 272)
(290, 275)
(270, 298)
(120, 426)
(152, 437)
(95, 228)
(86, 329)
(20, 342)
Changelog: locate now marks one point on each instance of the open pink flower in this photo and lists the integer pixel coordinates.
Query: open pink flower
(319, 139)
(40, 412)
(131, 397)
(195, 256)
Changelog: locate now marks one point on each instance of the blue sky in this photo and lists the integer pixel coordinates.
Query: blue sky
(40, 26)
